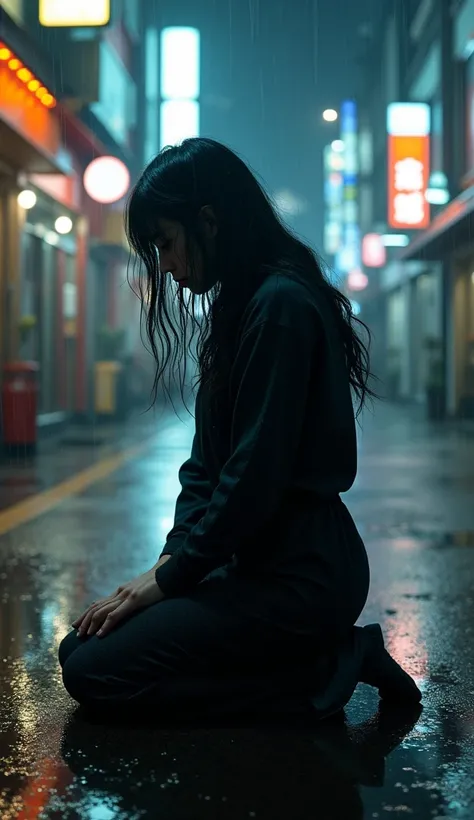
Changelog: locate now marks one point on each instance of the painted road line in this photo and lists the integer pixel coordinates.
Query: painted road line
(42, 503)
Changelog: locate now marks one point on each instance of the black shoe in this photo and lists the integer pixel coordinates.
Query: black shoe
(380, 670)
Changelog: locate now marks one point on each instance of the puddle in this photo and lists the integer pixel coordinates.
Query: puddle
(438, 538)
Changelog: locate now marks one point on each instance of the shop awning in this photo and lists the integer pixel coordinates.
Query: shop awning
(450, 230)
(22, 154)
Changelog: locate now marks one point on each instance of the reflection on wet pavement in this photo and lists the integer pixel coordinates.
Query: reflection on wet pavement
(371, 763)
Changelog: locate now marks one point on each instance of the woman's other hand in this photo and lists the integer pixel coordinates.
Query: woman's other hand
(103, 615)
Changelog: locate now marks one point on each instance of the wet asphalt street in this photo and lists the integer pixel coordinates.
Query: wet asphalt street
(413, 503)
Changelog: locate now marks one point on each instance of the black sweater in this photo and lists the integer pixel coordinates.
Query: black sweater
(260, 496)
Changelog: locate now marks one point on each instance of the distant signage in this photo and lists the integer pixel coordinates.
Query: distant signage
(374, 254)
(408, 126)
(74, 13)
(333, 190)
(349, 254)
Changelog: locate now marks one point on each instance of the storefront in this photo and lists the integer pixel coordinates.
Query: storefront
(448, 243)
(463, 332)
(48, 300)
(40, 266)
(414, 322)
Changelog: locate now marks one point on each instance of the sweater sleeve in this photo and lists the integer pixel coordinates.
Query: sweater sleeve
(192, 501)
(269, 383)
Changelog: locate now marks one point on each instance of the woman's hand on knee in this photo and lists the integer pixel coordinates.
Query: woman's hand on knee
(94, 616)
(101, 616)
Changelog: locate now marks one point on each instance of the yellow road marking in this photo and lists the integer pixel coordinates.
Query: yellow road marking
(43, 502)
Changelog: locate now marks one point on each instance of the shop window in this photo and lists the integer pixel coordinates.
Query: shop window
(117, 96)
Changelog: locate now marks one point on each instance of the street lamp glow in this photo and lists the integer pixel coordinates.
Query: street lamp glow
(27, 200)
(106, 179)
(63, 225)
(330, 115)
(337, 146)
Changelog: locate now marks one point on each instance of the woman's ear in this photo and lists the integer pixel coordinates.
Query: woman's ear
(208, 222)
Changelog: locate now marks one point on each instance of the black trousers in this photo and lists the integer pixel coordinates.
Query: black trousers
(204, 655)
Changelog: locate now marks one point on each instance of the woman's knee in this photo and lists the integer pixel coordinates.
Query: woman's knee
(94, 676)
(68, 645)
(81, 677)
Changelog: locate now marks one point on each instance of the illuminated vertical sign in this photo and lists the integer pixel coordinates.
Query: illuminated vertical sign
(408, 128)
(180, 84)
(349, 255)
(333, 188)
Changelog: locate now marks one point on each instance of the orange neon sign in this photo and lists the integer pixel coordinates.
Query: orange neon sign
(408, 127)
(26, 76)
(409, 173)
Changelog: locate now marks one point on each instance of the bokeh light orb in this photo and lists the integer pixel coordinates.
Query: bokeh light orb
(106, 180)
(357, 280)
(63, 225)
(330, 115)
(27, 200)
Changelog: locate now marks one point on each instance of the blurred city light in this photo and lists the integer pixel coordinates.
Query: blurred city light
(180, 63)
(51, 238)
(337, 146)
(180, 85)
(179, 120)
(408, 119)
(57, 13)
(374, 254)
(437, 192)
(408, 130)
(437, 196)
(63, 225)
(395, 240)
(357, 280)
(106, 179)
(27, 199)
(26, 76)
(330, 115)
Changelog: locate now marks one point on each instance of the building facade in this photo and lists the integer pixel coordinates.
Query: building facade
(68, 95)
(422, 293)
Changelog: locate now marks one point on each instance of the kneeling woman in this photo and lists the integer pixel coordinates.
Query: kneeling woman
(254, 599)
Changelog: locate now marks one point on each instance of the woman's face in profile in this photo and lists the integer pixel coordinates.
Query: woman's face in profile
(184, 260)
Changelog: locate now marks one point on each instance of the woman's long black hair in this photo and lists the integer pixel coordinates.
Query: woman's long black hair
(251, 242)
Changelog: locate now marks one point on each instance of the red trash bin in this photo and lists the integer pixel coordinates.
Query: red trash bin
(19, 405)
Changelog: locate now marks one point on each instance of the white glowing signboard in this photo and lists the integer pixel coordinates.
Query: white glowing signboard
(74, 13)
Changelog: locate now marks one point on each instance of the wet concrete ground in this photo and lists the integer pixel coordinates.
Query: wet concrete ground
(413, 502)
